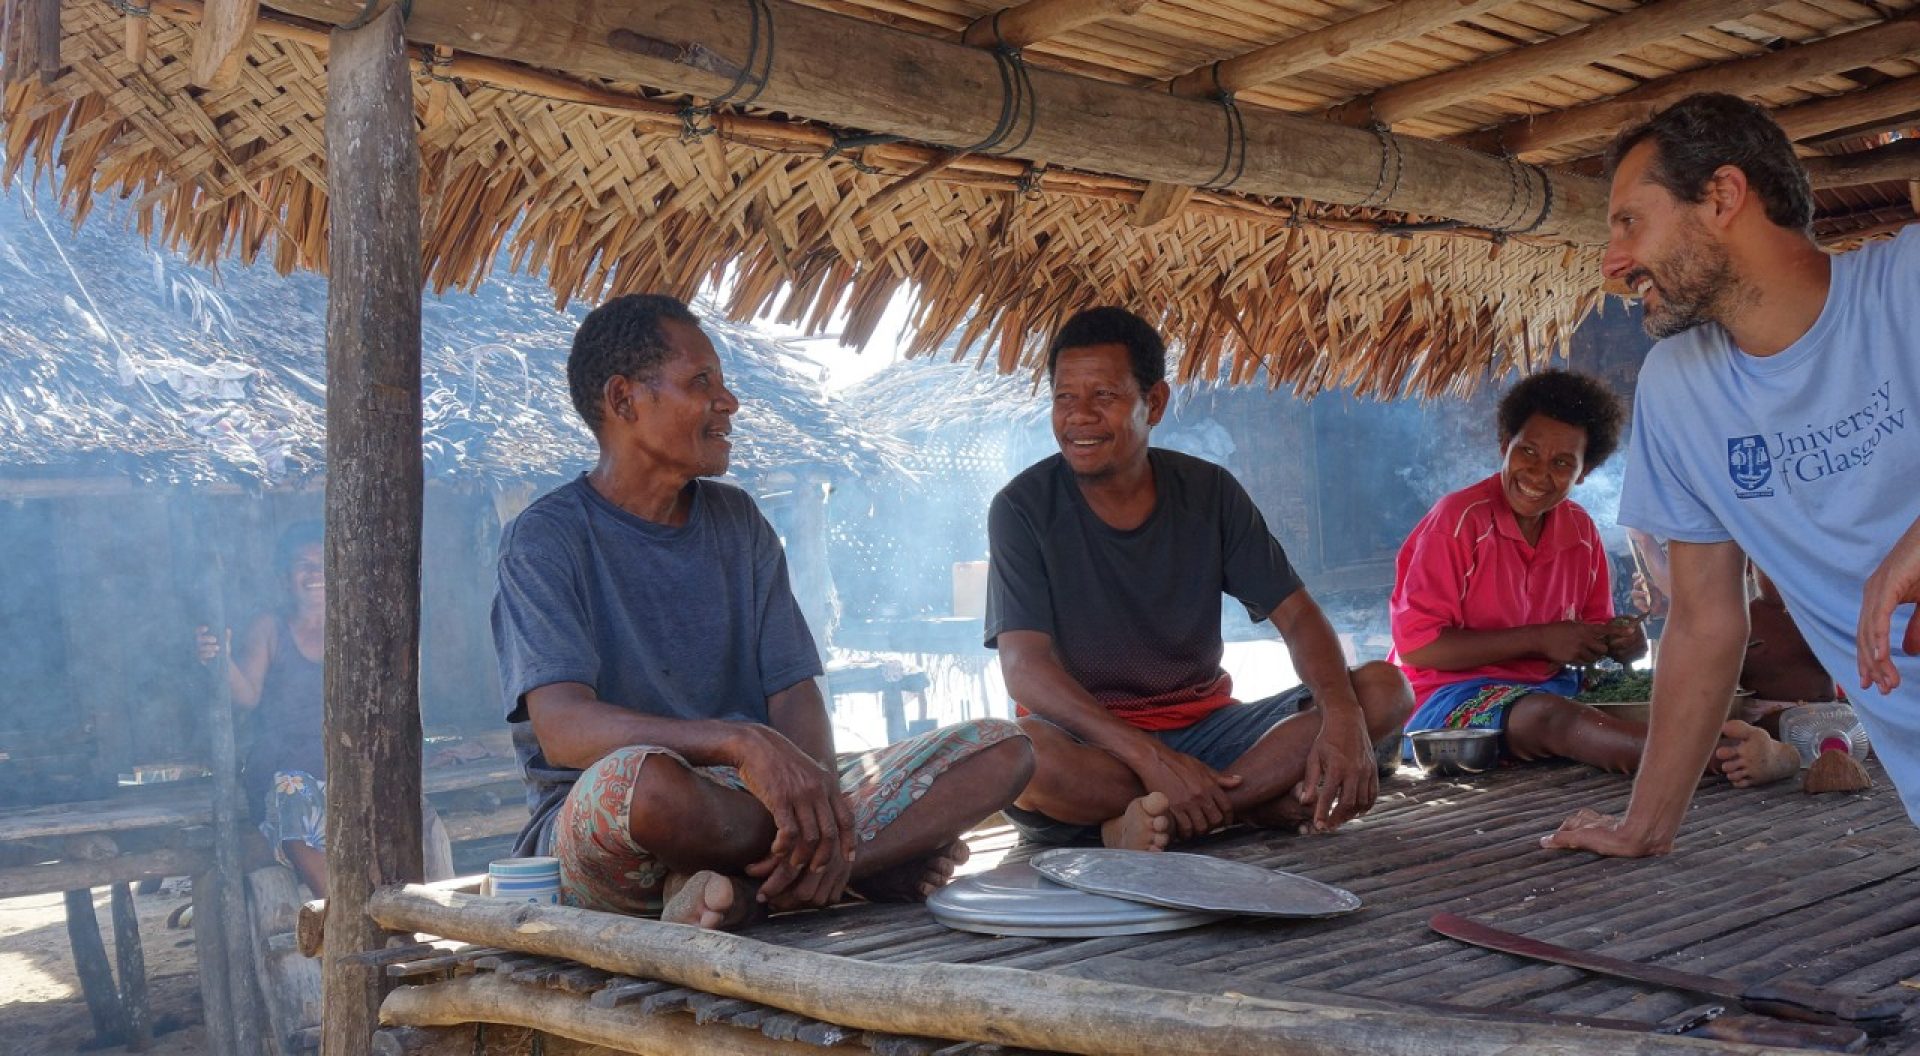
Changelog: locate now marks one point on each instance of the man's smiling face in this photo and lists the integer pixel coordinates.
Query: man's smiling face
(1100, 417)
(1662, 250)
(683, 416)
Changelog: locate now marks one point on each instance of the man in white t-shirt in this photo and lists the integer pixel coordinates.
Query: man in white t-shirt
(1776, 419)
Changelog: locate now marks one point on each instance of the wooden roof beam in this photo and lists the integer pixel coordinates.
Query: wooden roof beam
(1895, 104)
(851, 73)
(1663, 20)
(1531, 137)
(1850, 115)
(1899, 160)
(1038, 20)
(1276, 62)
(220, 46)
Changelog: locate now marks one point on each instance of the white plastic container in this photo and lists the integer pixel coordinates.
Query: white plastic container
(1823, 727)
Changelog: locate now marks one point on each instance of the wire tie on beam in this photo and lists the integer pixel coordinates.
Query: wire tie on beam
(1235, 158)
(757, 68)
(846, 144)
(1387, 184)
(133, 10)
(1513, 210)
(1027, 185)
(1017, 106)
(1546, 202)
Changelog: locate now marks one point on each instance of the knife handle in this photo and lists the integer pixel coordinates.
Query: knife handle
(1759, 1030)
(1807, 1003)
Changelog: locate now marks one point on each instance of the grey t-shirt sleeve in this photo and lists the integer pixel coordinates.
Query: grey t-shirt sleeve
(540, 624)
(1018, 598)
(1257, 571)
(788, 654)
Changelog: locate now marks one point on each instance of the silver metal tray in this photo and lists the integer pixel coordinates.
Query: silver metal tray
(1193, 882)
(1014, 899)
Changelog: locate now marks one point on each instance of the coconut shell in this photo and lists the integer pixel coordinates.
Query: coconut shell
(1835, 771)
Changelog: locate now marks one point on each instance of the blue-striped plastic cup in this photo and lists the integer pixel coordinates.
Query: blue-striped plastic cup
(525, 879)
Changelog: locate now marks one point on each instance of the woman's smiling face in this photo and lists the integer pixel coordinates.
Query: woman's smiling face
(1540, 464)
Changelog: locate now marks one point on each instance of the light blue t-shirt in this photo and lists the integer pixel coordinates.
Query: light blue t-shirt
(1809, 459)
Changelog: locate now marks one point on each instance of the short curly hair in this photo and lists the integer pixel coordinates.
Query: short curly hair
(622, 337)
(1576, 399)
(1110, 325)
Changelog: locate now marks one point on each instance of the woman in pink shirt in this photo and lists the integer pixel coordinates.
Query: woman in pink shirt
(1503, 587)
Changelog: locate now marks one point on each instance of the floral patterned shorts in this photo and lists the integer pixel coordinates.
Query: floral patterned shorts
(296, 811)
(601, 867)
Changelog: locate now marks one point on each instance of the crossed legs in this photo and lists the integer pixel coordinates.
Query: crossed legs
(1082, 785)
(695, 836)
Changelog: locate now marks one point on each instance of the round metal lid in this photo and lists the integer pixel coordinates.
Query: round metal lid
(1014, 899)
(1193, 882)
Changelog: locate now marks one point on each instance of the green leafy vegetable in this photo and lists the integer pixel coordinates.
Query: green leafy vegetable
(1626, 686)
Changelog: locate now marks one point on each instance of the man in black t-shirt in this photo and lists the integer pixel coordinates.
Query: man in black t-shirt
(1103, 598)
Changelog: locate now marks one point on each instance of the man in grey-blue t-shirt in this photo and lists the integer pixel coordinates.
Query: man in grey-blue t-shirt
(659, 675)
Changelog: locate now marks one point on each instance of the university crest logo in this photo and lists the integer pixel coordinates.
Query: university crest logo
(1750, 466)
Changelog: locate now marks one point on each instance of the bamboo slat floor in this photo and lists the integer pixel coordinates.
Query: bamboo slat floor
(1767, 883)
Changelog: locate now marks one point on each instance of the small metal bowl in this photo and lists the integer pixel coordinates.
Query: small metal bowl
(1456, 751)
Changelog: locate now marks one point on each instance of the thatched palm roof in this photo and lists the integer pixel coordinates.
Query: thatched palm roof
(606, 185)
(117, 356)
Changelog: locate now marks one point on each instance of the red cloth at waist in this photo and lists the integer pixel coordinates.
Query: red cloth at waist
(1169, 711)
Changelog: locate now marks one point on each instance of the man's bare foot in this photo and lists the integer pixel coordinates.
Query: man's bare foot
(1748, 757)
(707, 900)
(916, 880)
(1143, 827)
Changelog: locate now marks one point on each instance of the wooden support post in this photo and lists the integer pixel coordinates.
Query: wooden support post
(210, 955)
(1618, 35)
(1038, 20)
(228, 897)
(132, 961)
(220, 46)
(1275, 62)
(1531, 137)
(373, 508)
(860, 74)
(1007, 1006)
(90, 964)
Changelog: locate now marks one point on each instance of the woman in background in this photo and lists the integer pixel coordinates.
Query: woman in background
(275, 671)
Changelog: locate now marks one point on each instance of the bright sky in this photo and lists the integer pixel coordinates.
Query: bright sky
(845, 366)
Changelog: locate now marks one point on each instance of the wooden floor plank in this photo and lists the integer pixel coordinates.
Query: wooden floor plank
(1762, 883)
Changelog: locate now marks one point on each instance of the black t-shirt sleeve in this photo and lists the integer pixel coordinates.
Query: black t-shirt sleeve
(1018, 598)
(1257, 571)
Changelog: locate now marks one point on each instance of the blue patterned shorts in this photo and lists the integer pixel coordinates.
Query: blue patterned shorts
(296, 813)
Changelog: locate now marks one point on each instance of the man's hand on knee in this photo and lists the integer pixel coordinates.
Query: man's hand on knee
(1342, 780)
(813, 843)
(1196, 792)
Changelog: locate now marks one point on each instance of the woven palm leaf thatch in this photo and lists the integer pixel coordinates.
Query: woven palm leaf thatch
(114, 356)
(606, 199)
